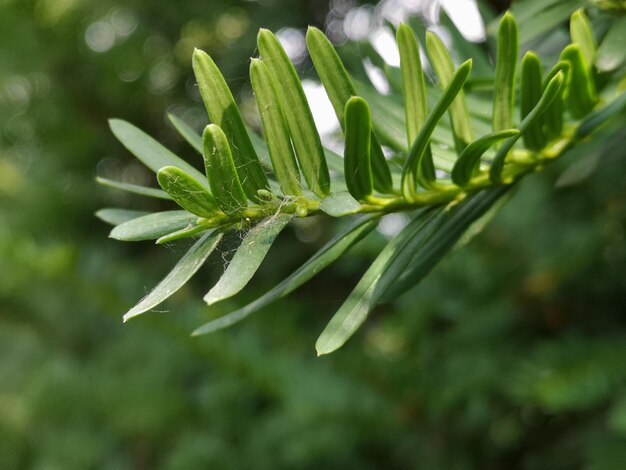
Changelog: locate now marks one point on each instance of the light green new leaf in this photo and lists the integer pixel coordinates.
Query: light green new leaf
(387, 267)
(186, 132)
(413, 164)
(114, 216)
(223, 112)
(553, 116)
(582, 35)
(506, 63)
(149, 151)
(220, 169)
(340, 89)
(339, 204)
(531, 90)
(275, 129)
(186, 232)
(248, 258)
(549, 94)
(356, 157)
(132, 188)
(413, 84)
(152, 226)
(611, 54)
(186, 267)
(469, 159)
(580, 95)
(187, 192)
(323, 258)
(304, 135)
(444, 68)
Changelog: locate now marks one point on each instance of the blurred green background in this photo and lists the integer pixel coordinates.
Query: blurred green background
(512, 354)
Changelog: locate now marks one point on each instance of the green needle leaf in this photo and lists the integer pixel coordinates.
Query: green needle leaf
(187, 192)
(186, 132)
(601, 117)
(553, 116)
(468, 161)
(357, 167)
(223, 112)
(579, 90)
(114, 216)
(340, 204)
(582, 35)
(132, 188)
(444, 68)
(221, 173)
(152, 226)
(549, 94)
(340, 89)
(323, 258)
(387, 267)
(413, 164)
(248, 258)
(182, 233)
(275, 128)
(531, 90)
(178, 277)
(506, 63)
(149, 151)
(413, 84)
(304, 135)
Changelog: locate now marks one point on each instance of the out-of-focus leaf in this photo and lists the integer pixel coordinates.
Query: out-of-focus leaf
(467, 163)
(598, 118)
(413, 164)
(444, 67)
(223, 111)
(531, 90)
(186, 267)
(387, 267)
(304, 135)
(582, 35)
(506, 65)
(186, 132)
(152, 226)
(248, 258)
(114, 216)
(579, 90)
(187, 192)
(326, 255)
(611, 54)
(133, 188)
(149, 151)
(549, 94)
(220, 170)
(275, 128)
(356, 158)
(339, 204)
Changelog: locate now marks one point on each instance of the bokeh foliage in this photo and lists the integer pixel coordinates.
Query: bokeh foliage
(511, 355)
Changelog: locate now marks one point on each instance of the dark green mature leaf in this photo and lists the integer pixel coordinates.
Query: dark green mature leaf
(186, 267)
(187, 192)
(275, 128)
(549, 94)
(114, 216)
(356, 158)
(323, 258)
(152, 226)
(220, 170)
(340, 204)
(579, 91)
(582, 36)
(444, 68)
(531, 90)
(599, 118)
(304, 135)
(340, 89)
(469, 159)
(186, 131)
(248, 258)
(223, 111)
(133, 188)
(387, 267)
(413, 165)
(506, 64)
(611, 54)
(149, 151)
